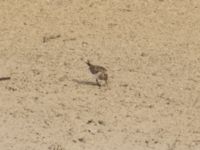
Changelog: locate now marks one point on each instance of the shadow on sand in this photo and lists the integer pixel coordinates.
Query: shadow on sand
(84, 82)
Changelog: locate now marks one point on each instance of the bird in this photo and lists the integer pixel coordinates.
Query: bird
(99, 72)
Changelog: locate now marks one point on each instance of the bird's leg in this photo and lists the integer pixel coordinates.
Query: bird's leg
(98, 83)
(106, 81)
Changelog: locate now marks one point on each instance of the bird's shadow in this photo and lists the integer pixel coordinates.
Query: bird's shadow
(85, 82)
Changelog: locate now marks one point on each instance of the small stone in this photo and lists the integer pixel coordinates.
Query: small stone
(101, 122)
(81, 140)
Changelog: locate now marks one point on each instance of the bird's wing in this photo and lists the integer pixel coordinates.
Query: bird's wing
(100, 68)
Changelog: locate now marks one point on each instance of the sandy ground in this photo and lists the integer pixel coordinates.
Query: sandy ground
(151, 49)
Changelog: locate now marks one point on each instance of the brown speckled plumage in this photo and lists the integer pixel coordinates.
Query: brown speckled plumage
(99, 71)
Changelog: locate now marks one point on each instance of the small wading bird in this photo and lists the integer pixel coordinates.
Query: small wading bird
(99, 72)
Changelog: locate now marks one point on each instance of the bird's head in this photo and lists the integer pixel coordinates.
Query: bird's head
(88, 63)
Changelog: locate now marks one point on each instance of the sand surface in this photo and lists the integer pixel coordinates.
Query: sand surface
(151, 49)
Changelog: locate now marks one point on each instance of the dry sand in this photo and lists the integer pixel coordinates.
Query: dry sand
(151, 49)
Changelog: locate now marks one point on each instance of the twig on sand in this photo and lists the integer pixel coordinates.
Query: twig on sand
(47, 38)
(4, 78)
